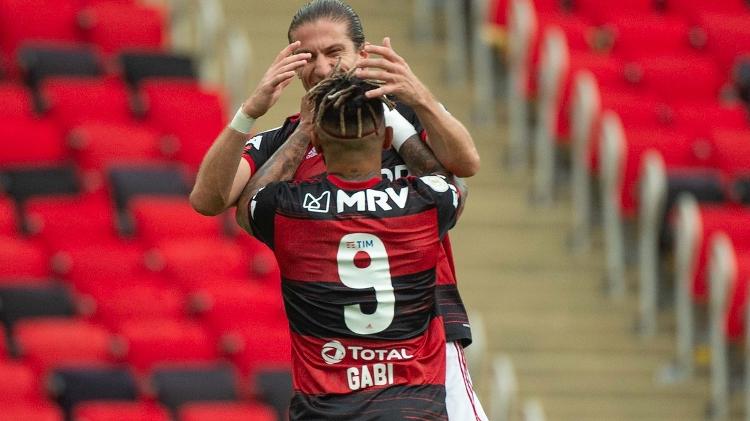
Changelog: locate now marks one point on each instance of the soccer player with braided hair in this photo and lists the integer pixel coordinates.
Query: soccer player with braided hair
(324, 34)
(358, 255)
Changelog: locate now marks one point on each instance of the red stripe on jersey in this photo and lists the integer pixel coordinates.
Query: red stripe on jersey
(338, 366)
(411, 242)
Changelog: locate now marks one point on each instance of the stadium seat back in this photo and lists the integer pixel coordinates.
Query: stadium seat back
(177, 386)
(19, 302)
(120, 411)
(71, 386)
(138, 66)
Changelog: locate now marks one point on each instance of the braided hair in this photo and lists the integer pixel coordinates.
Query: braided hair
(341, 108)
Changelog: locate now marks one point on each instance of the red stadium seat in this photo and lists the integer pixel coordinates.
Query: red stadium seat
(680, 79)
(115, 305)
(225, 411)
(31, 412)
(167, 98)
(260, 347)
(22, 258)
(732, 151)
(239, 306)
(16, 101)
(20, 384)
(36, 20)
(99, 145)
(74, 101)
(728, 36)
(8, 223)
(701, 118)
(101, 263)
(730, 219)
(635, 37)
(195, 263)
(120, 411)
(692, 9)
(116, 26)
(65, 222)
(601, 12)
(263, 265)
(55, 342)
(25, 141)
(170, 218)
(676, 148)
(152, 342)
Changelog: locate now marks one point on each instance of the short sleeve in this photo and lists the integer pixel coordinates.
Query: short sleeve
(262, 209)
(445, 196)
(259, 148)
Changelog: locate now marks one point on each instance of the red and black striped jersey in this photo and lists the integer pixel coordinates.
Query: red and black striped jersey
(358, 268)
(261, 147)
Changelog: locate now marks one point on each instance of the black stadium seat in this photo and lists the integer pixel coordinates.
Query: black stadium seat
(142, 65)
(43, 299)
(176, 386)
(274, 386)
(70, 386)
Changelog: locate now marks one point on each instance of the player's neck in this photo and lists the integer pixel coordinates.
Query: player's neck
(355, 170)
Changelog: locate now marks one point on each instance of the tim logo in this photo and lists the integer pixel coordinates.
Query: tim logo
(317, 204)
(359, 244)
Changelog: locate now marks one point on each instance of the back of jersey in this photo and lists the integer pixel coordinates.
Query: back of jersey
(358, 278)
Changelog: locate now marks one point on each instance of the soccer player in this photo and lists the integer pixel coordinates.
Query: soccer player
(324, 34)
(358, 255)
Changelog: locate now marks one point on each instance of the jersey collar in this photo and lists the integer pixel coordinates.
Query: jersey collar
(353, 185)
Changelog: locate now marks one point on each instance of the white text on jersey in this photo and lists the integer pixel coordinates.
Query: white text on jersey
(371, 200)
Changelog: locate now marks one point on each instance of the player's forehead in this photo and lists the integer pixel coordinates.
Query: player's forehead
(322, 34)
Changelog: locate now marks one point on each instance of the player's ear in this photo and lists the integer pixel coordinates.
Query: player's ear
(362, 53)
(388, 138)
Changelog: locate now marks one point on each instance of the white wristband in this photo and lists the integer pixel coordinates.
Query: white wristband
(242, 122)
(402, 129)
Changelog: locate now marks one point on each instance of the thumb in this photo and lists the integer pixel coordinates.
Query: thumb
(387, 42)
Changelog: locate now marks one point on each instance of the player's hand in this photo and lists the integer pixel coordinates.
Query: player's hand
(394, 71)
(278, 76)
(307, 116)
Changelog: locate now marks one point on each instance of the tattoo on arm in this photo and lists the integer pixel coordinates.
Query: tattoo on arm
(419, 158)
(280, 167)
(421, 161)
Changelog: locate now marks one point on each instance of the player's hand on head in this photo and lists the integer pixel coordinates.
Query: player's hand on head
(278, 76)
(307, 113)
(395, 73)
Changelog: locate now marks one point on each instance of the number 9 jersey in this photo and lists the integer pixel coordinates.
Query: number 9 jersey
(358, 265)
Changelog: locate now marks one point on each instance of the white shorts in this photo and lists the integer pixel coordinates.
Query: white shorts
(460, 400)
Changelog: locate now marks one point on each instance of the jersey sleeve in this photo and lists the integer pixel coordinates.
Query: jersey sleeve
(445, 197)
(262, 211)
(259, 148)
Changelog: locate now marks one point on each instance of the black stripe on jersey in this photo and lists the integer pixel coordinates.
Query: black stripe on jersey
(397, 403)
(323, 315)
(455, 319)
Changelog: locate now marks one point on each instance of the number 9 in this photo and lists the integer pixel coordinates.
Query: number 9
(376, 275)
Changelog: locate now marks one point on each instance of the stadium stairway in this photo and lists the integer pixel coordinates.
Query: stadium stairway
(572, 347)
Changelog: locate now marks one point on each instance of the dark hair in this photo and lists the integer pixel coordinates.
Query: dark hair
(335, 11)
(341, 108)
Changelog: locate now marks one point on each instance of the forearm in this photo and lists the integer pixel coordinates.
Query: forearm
(419, 159)
(211, 194)
(448, 138)
(280, 167)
